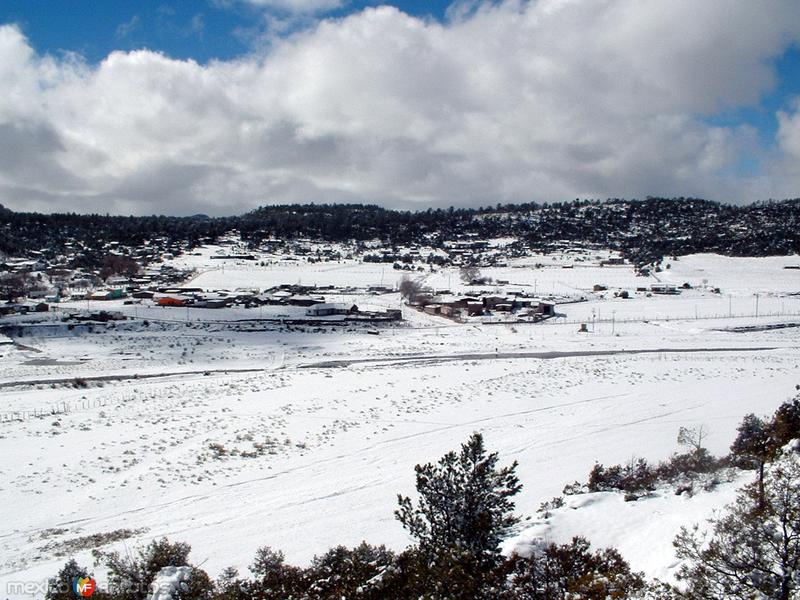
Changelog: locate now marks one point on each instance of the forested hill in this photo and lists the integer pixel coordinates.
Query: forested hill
(641, 229)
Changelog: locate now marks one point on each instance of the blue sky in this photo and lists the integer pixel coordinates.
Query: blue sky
(200, 30)
(410, 104)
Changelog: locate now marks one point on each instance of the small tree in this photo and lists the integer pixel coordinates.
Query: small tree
(753, 447)
(469, 273)
(753, 550)
(692, 437)
(273, 577)
(12, 287)
(60, 586)
(114, 264)
(410, 289)
(785, 424)
(465, 503)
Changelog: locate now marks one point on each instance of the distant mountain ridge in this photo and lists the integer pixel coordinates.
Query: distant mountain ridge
(643, 230)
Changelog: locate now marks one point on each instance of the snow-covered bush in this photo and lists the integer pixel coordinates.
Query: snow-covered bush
(131, 577)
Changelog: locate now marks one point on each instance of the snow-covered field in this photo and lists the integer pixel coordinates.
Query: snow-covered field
(231, 438)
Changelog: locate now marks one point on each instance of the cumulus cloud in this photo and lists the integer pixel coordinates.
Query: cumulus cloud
(503, 102)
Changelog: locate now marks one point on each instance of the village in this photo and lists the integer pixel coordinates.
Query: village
(225, 367)
(461, 281)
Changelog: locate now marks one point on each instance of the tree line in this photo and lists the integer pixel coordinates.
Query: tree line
(643, 230)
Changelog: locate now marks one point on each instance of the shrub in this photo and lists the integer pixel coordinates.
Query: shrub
(345, 573)
(273, 577)
(130, 577)
(636, 476)
(60, 586)
(572, 571)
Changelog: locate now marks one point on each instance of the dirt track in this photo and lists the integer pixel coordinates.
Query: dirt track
(340, 363)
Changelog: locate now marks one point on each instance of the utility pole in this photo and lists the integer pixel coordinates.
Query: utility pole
(756, 304)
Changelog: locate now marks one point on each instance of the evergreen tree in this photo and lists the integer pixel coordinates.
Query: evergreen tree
(753, 447)
(60, 586)
(465, 503)
(753, 550)
(786, 422)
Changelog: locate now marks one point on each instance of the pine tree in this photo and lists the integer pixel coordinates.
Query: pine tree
(465, 503)
(60, 586)
(753, 551)
(753, 447)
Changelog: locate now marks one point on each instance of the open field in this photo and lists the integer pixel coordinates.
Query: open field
(253, 434)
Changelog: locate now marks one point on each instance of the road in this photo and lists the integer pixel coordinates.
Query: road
(388, 360)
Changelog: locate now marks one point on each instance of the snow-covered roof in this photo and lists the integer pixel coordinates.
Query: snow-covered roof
(333, 306)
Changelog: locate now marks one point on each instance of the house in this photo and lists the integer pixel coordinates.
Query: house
(299, 300)
(433, 309)
(29, 307)
(473, 308)
(211, 303)
(100, 295)
(612, 261)
(143, 294)
(172, 301)
(523, 302)
(39, 294)
(327, 309)
(379, 312)
(663, 288)
(233, 257)
(449, 311)
(490, 302)
(546, 309)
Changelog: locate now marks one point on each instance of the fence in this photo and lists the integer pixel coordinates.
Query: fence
(60, 408)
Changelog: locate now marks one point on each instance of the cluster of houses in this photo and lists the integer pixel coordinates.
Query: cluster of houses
(662, 289)
(311, 298)
(460, 307)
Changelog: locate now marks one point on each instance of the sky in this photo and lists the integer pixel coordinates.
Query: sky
(220, 106)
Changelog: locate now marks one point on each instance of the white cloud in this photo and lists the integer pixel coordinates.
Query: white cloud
(783, 176)
(789, 130)
(129, 26)
(504, 102)
(299, 6)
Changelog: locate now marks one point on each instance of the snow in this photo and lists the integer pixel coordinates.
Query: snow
(170, 581)
(642, 531)
(230, 433)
